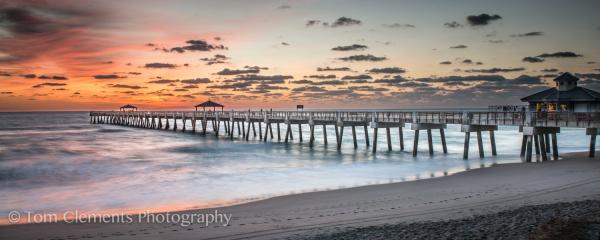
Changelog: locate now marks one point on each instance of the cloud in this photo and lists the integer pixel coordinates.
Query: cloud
(345, 21)
(29, 75)
(311, 23)
(560, 55)
(283, 7)
(163, 81)
(125, 86)
(216, 59)
(529, 34)
(134, 73)
(350, 47)
(196, 81)
(309, 89)
(467, 61)
(53, 77)
(391, 81)
(532, 59)
(335, 69)
(482, 19)
(458, 47)
(453, 24)
(285, 44)
(50, 84)
(234, 86)
(198, 45)
(398, 25)
(362, 57)
(328, 82)
(274, 79)
(445, 63)
(160, 65)
(387, 70)
(496, 41)
(550, 70)
(495, 70)
(357, 77)
(321, 76)
(107, 76)
(6, 92)
(368, 88)
(228, 71)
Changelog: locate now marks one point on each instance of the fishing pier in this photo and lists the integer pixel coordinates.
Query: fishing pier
(539, 129)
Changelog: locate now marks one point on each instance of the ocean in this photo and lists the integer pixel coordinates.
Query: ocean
(54, 162)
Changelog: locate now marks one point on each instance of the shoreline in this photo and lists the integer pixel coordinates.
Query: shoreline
(467, 193)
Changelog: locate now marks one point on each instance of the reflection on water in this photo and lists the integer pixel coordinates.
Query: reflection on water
(52, 162)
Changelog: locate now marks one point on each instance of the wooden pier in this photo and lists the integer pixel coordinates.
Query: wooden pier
(539, 129)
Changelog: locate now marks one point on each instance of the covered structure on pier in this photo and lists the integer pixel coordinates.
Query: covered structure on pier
(128, 107)
(566, 96)
(209, 104)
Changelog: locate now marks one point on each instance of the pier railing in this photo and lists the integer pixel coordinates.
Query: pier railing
(541, 119)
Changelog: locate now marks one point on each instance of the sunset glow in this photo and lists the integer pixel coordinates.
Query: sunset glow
(88, 55)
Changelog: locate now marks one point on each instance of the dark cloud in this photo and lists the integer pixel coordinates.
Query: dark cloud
(322, 76)
(387, 70)
(532, 59)
(328, 83)
(160, 65)
(50, 84)
(467, 61)
(398, 25)
(302, 81)
(196, 81)
(362, 58)
(107, 76)
(274, 79)
(482, 19)
(216, 59)
(311, 23)
(495, 70)
(330, 69)
(357, 77)
(283, 7)
(53, 77)
(496, 41)
(550, 70)
(234, 86)
(285, 44)
(445, 63)
(6, 92)
(345, 21)
(125, 86)
(228, 71)
(309, 89)
(38, 29)
(529, 34)
(350, 47)
(29, 76)
(163, 81)
(453, 24)
(458, 47)
(198, 45)
(134, 73)
(560, 55)
(368, 88)
(391, 81)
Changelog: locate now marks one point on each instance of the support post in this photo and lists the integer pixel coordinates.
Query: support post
(401, 136)
(493, 142)
(466, 149)
(389, 138)
(523, 146)
(325, 133)
(339, 142)
(529, 151)
(554, 147)
(443, 138)
(354, 136)
(430, 141)
(366, 135)
(416, 143)
(375, 139)
(480, 143)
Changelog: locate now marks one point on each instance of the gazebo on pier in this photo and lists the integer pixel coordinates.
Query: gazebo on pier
(209, 104)
(566, 96)
(128, 107)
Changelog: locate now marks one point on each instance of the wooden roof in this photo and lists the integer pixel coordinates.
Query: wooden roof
(209, 103)
(128, 106)
(577, 94)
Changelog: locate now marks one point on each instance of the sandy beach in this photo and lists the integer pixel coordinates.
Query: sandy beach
(472, 193)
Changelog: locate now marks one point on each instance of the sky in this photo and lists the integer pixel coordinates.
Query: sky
(338, 54)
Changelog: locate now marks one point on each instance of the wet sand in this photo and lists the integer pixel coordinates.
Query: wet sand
(461, 196)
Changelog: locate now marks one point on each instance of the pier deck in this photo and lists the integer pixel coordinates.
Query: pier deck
(537, 127)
